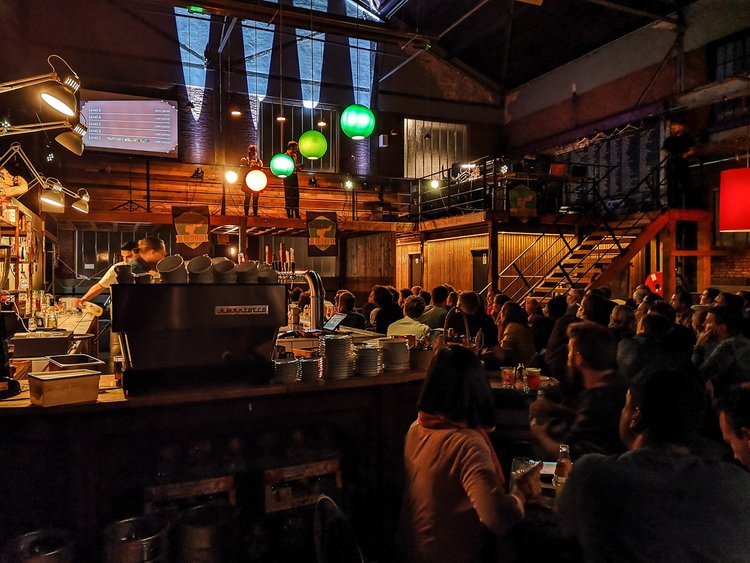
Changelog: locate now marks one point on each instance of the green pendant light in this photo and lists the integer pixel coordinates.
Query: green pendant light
(282, 165)
(313, 144)
(357, 121)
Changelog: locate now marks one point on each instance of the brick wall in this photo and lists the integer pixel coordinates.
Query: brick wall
(731, 270)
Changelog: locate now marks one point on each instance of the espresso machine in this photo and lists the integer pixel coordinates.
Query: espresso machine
(181, 335)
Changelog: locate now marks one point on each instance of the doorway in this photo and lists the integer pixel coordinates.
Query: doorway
(480, 269)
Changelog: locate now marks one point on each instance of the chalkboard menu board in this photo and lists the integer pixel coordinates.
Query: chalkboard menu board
(620, 161)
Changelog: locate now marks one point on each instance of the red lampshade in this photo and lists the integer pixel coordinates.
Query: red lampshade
(734, 200)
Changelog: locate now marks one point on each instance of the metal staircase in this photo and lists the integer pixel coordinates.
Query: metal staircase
(605, 233)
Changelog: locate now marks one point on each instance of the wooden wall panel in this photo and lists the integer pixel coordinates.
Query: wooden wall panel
(403, 250)
(369, 262)
(449, 261)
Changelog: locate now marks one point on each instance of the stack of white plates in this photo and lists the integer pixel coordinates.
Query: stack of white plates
(339, 355)
(311, 369)
(395, 354)
(286, 370)
(369, 360)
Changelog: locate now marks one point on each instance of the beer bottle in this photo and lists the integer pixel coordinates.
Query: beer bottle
(562, 468)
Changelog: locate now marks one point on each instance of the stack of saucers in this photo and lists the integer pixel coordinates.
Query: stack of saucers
(395, 354)
(311, 369)
(286, 370)
(368, 361)
(338, 354)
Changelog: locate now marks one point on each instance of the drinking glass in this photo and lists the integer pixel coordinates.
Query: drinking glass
(520, 466)
(508, 376)
(533, 376)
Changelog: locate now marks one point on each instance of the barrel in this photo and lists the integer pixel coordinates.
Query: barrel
(135, 540)
(41, 546)
(206, 534)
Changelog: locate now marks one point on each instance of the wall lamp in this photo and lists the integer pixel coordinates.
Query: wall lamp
(71, 140)
(60, 96)
(53, 191)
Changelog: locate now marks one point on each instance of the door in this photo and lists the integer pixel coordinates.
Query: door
(480, 269)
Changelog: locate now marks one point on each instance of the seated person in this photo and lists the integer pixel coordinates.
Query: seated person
(734, 419)
(469, 313)
(516, 341)
(589, 423)
(658, 501)
(410, 325)
(729, 362)
(387, 310)
(454, 485)
(434, 315)
(346, 305)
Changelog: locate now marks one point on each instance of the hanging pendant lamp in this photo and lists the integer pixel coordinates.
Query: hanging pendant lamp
(313, 144)
(357, 121)
(256, 180)
(734, 200)
(282, 165)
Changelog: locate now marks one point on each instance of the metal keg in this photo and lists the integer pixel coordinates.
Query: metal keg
(135, 540)
(206, 533)
(41, 546)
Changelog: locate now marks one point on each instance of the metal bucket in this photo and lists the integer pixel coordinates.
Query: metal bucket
(225, 271)
(40, 546)
(172, 269)
(206, 533)
(135, 540)
(200, 270)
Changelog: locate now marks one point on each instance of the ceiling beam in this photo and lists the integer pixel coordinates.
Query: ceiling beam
(298, 17)
(632, 11)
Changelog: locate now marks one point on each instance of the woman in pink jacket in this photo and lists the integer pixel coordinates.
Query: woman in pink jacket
(454, 500)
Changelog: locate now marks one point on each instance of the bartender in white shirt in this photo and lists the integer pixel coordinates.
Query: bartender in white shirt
(128, 252)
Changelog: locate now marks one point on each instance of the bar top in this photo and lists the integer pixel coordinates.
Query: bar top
(112, 397)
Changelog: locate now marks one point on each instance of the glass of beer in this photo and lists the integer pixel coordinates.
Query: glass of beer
(508, 376)
(533, 376)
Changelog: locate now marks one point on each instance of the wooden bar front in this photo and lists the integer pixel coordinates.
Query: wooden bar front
(81, 467)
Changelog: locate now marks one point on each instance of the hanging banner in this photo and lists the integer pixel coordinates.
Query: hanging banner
(191, 230)
(321, 234)
(522, 202)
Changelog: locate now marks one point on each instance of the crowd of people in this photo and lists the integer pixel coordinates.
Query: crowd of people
(653, 400)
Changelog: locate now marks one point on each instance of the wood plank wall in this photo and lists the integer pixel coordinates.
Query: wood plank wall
(369, 261)
(403, 250)
(449, 260)
(114, 179)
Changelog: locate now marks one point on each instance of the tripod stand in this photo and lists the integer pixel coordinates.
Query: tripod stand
(130, 204)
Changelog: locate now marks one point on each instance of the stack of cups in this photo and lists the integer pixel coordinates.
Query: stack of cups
(395, 354)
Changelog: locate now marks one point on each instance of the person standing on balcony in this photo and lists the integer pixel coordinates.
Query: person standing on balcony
(291, 184)
(679, 147)
(253, 163)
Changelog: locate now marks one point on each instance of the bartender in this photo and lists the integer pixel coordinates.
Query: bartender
(128, 252)
(150, 251)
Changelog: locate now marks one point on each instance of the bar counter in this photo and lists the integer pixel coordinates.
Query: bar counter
(81, 467)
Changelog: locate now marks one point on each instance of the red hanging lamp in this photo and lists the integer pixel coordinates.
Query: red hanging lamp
(734, 200)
